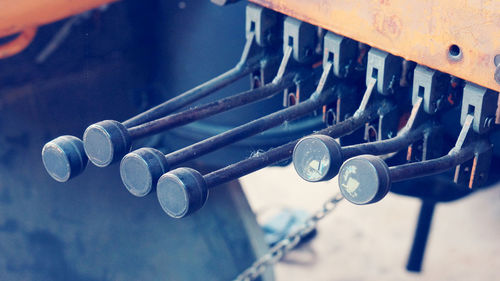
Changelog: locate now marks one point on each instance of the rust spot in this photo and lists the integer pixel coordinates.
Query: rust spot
(389, 25)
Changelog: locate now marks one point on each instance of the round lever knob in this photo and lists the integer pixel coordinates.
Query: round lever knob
(364, 179)
(182, 192)
(64, 158)
(106, 142)
(317, 158)
(141, 169)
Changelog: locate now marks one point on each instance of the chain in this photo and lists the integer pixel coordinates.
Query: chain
(289, 242)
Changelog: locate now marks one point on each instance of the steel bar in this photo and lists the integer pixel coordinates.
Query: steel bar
(206, 110)
(67, 158)
(281, 153)
(433, 166)
(191, 95)
(366, 179)
(152, 163)
(183, 191)
(318, 158)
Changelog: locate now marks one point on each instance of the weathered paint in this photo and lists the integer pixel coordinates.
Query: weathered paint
(420, 31)
(18, 15)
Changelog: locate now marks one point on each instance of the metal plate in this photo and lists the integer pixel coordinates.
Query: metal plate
(421, 31)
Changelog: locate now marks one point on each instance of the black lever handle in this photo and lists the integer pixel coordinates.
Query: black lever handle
(153, 164)
(108, 141)
(65, 158)
(367, 179)
(184, 190)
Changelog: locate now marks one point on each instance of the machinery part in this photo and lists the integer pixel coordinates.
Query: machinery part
(318, 158)
(287, 244)
(17, 16)
(224, 2)
(364, 179)
(318, 99)
(425, 82)
(482, 103)
(143, 183)
(374, 182)
(452, 40)
(63, 158)
(252, 164)
(110, 145)
(384, 67)
(18, 44)
(106, 142)
(249, 62)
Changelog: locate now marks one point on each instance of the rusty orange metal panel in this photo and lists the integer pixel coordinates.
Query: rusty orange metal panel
(422, 31)
(19, 15)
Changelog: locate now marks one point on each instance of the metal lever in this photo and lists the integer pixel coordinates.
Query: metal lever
(141, 169)
(319, 157)
(108, 141)
(367, 179)
(184, 190)
(64, 157)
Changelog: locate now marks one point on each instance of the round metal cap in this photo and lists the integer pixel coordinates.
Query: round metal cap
(181, 192)
(141, 169)
(64, 158)
(317, 158)
(364, 179)
(106, 142)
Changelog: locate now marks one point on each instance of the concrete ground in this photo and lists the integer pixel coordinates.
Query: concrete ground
(373, 242)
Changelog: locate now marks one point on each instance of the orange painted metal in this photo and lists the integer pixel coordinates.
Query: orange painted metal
(420, 31)
(18, 44)
(19, 15)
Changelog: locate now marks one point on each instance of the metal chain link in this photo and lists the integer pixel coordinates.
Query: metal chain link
(288, 243)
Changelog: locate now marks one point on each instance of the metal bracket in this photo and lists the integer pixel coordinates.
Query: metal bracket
(425, 85)
(482, 104)
(341, 51)
(301, 36)
(384, 67)
(262, 22)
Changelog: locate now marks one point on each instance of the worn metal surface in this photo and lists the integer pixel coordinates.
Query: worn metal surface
(427, 32)
(18, 15)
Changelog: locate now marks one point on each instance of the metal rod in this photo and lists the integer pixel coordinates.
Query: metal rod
(247, 64)
(244, 131)
(385, 146)
(421, 236)
(283, 152)
(190, 96)
(202, 111)
(435, 166)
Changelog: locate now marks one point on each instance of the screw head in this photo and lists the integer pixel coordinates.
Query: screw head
(364, 179)
(181, 192)
(141, 169)
(106, 142)
(317, 158)
(64, 158)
